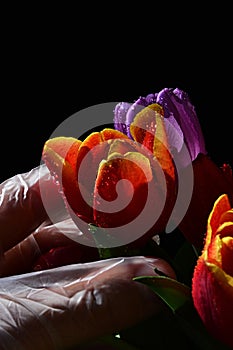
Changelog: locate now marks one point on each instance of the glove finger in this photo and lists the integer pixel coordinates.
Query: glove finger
(47, 247)
(73, 304)
(22, 209)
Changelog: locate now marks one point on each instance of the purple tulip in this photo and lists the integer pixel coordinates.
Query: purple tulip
(179, 115)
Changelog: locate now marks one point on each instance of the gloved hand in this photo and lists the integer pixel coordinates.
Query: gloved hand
(67, 305)
(28, 237)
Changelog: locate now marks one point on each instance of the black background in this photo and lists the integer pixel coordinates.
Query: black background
(55, 65)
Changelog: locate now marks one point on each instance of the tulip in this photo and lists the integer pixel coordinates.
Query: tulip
(212, 283)
(111, 182)
(186, 144)
(178, 112)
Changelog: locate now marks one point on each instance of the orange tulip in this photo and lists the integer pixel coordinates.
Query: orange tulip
(212, 284)
(127, 187)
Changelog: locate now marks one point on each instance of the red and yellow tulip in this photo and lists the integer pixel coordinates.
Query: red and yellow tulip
(90, 175)
(212, 284)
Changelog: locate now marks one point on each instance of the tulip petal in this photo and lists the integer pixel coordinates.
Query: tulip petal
(66, 147)
(225, 230)
(148, 129)
(93, 149)
(123, 146)
(60, 156)
(176, 103)
(227, 216)
(124, 112)
(214, 244)
(120, 120)
(213, 252)
(136, 107)
(212, 291)
(225, 281)
(144, 127)
(227, 254)
(221, 205)
(63, 173)
(128, 199)
(112, 134)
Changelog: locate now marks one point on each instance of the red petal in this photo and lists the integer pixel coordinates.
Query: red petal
(227, 255)
(109, 175)
(213, 298)
(146, 190)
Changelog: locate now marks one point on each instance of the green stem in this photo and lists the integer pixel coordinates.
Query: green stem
(107, 246)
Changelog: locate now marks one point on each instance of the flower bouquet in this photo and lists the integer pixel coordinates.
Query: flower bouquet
(147, 186)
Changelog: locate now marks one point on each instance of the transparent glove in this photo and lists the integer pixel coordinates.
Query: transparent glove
(68, 305)
(28, 238)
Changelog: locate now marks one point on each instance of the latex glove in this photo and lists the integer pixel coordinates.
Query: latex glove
(69, 305)
(26, 233)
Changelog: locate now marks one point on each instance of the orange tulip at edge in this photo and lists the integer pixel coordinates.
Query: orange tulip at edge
(212, 284)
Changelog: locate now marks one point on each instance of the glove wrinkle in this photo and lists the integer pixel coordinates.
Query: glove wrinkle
(73, 304)
(21, 208)
(24, 190)
(24, 316)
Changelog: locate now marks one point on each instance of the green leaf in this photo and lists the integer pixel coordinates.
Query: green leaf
(175, 294)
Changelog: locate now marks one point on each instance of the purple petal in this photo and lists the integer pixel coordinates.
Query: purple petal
(177, 106)
(181, 122)
(119, 120)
